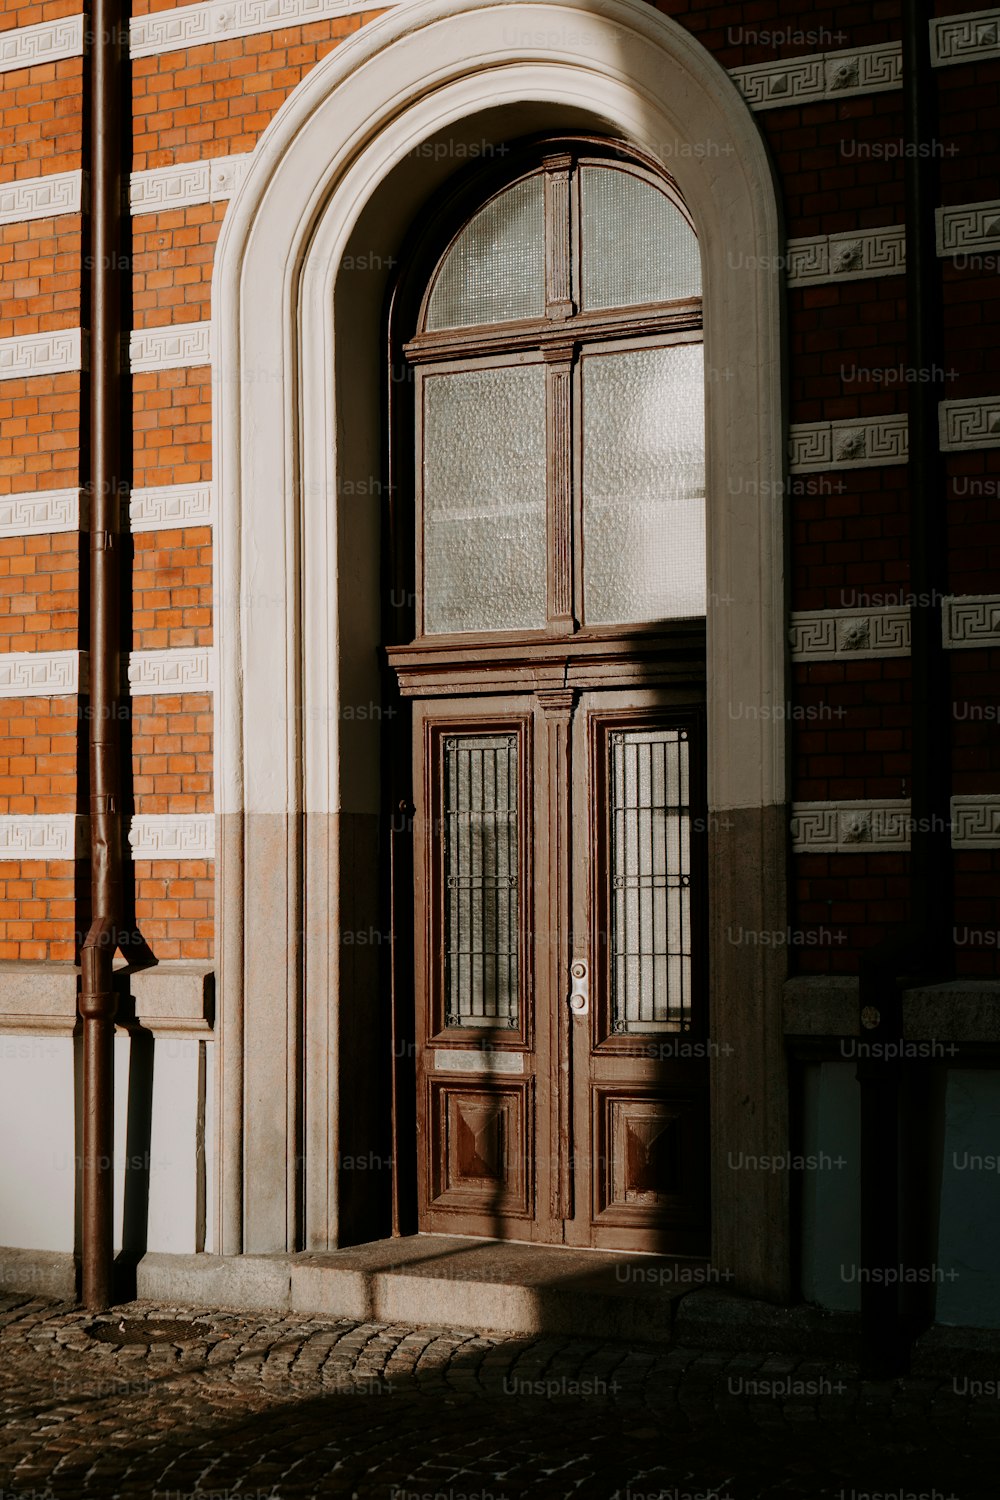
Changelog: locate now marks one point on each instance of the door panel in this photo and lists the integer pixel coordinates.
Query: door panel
(562, 1071)
(480, 1166)
(639, 1063)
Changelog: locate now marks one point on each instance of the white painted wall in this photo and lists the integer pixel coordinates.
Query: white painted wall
(37, 1142)
(40, 1135)
(831, 1223)
(969, 1235)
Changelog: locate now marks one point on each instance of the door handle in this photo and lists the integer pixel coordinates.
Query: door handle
(579, 995)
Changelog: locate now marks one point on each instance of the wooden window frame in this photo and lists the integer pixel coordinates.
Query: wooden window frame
(560, 339)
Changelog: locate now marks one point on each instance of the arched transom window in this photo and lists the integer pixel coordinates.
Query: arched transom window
(560, 407)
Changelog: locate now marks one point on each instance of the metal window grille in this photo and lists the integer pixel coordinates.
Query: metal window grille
(480, 851)
(650, 876)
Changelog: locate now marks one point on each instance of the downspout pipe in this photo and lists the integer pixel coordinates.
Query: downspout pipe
(109, 141)
(894, 1225)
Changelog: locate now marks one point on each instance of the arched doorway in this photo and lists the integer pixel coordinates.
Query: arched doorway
(345, 166)
(551, 440)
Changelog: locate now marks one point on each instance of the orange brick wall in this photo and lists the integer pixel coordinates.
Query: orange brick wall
(39, 592)
(173, 906)
(38, 910)
(172, 589)
(40, 430)
(216, 100)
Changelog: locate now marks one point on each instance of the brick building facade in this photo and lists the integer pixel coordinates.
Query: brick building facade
(212, 84)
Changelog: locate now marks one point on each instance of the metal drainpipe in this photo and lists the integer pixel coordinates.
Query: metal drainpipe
(110, 144)
(893, 1225)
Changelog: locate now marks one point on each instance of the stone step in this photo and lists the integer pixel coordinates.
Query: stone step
(444, 1280)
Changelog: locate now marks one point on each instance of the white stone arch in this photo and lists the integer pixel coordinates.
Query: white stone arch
(293, 368)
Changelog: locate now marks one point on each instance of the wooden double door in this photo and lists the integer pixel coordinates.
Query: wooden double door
(561, 1068)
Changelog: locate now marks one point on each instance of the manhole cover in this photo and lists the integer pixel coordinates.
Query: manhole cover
(148, 1331)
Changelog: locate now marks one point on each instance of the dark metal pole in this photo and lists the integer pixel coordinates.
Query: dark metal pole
(894, 1227)
(931, 859)
(109, 141)
(930, 856)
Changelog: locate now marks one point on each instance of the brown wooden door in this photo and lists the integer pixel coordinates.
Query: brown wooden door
(561, 1076)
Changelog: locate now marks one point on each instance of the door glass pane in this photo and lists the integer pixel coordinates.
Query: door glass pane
(484, 500)
(480, 806)
(650, 875)
(637, 245)
(644, 485)
(495, 271)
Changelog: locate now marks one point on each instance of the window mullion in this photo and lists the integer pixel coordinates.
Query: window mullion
(559, 443)
(558, 241)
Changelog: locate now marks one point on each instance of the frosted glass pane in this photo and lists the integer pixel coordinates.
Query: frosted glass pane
(637, 246)
(481, 880)
(495, 271)
(650, 958)
(644, 485)
(484, 500)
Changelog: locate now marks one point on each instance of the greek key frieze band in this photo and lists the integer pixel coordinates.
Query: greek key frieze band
(970, 622)
(41, 197)
(848, 256)
(172, 347)
(64, 836)
(47, 42)
(31, 354)
(171, 506)
(851, 442)
(820, 75)
(58, 674)
(173, 836)
(221, 20)
(968, 227)
(975, 821)
(851, 827)
(843, 634)
(32, 836)
(971, 37)
(38, 512)
(187, 184)
(970, 422)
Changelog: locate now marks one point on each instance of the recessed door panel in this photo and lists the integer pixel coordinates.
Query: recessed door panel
(479, 1063)
(639, 1054)
(560, 985)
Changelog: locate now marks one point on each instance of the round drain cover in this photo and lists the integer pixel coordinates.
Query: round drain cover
(148, 1331)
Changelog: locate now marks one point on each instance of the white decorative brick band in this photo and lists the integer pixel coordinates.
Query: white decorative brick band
(975, 822)
(839, 634)
(173, 836)
(41, 197)
(36, 512)
(821, 75)
(50, 41)
(173, 505)
(180, 669)
(39, 674)
(848, 256)
(219, 20)
(851, 827)
(967, 38)
(968, 226)
(172, 347)
(187, 183)
(971, 621)
(60, 836)
(970, 423)
(65, 836)
(864, 441)
(40, 354)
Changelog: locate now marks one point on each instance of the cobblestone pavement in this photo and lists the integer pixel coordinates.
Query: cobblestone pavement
(252, 1405)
